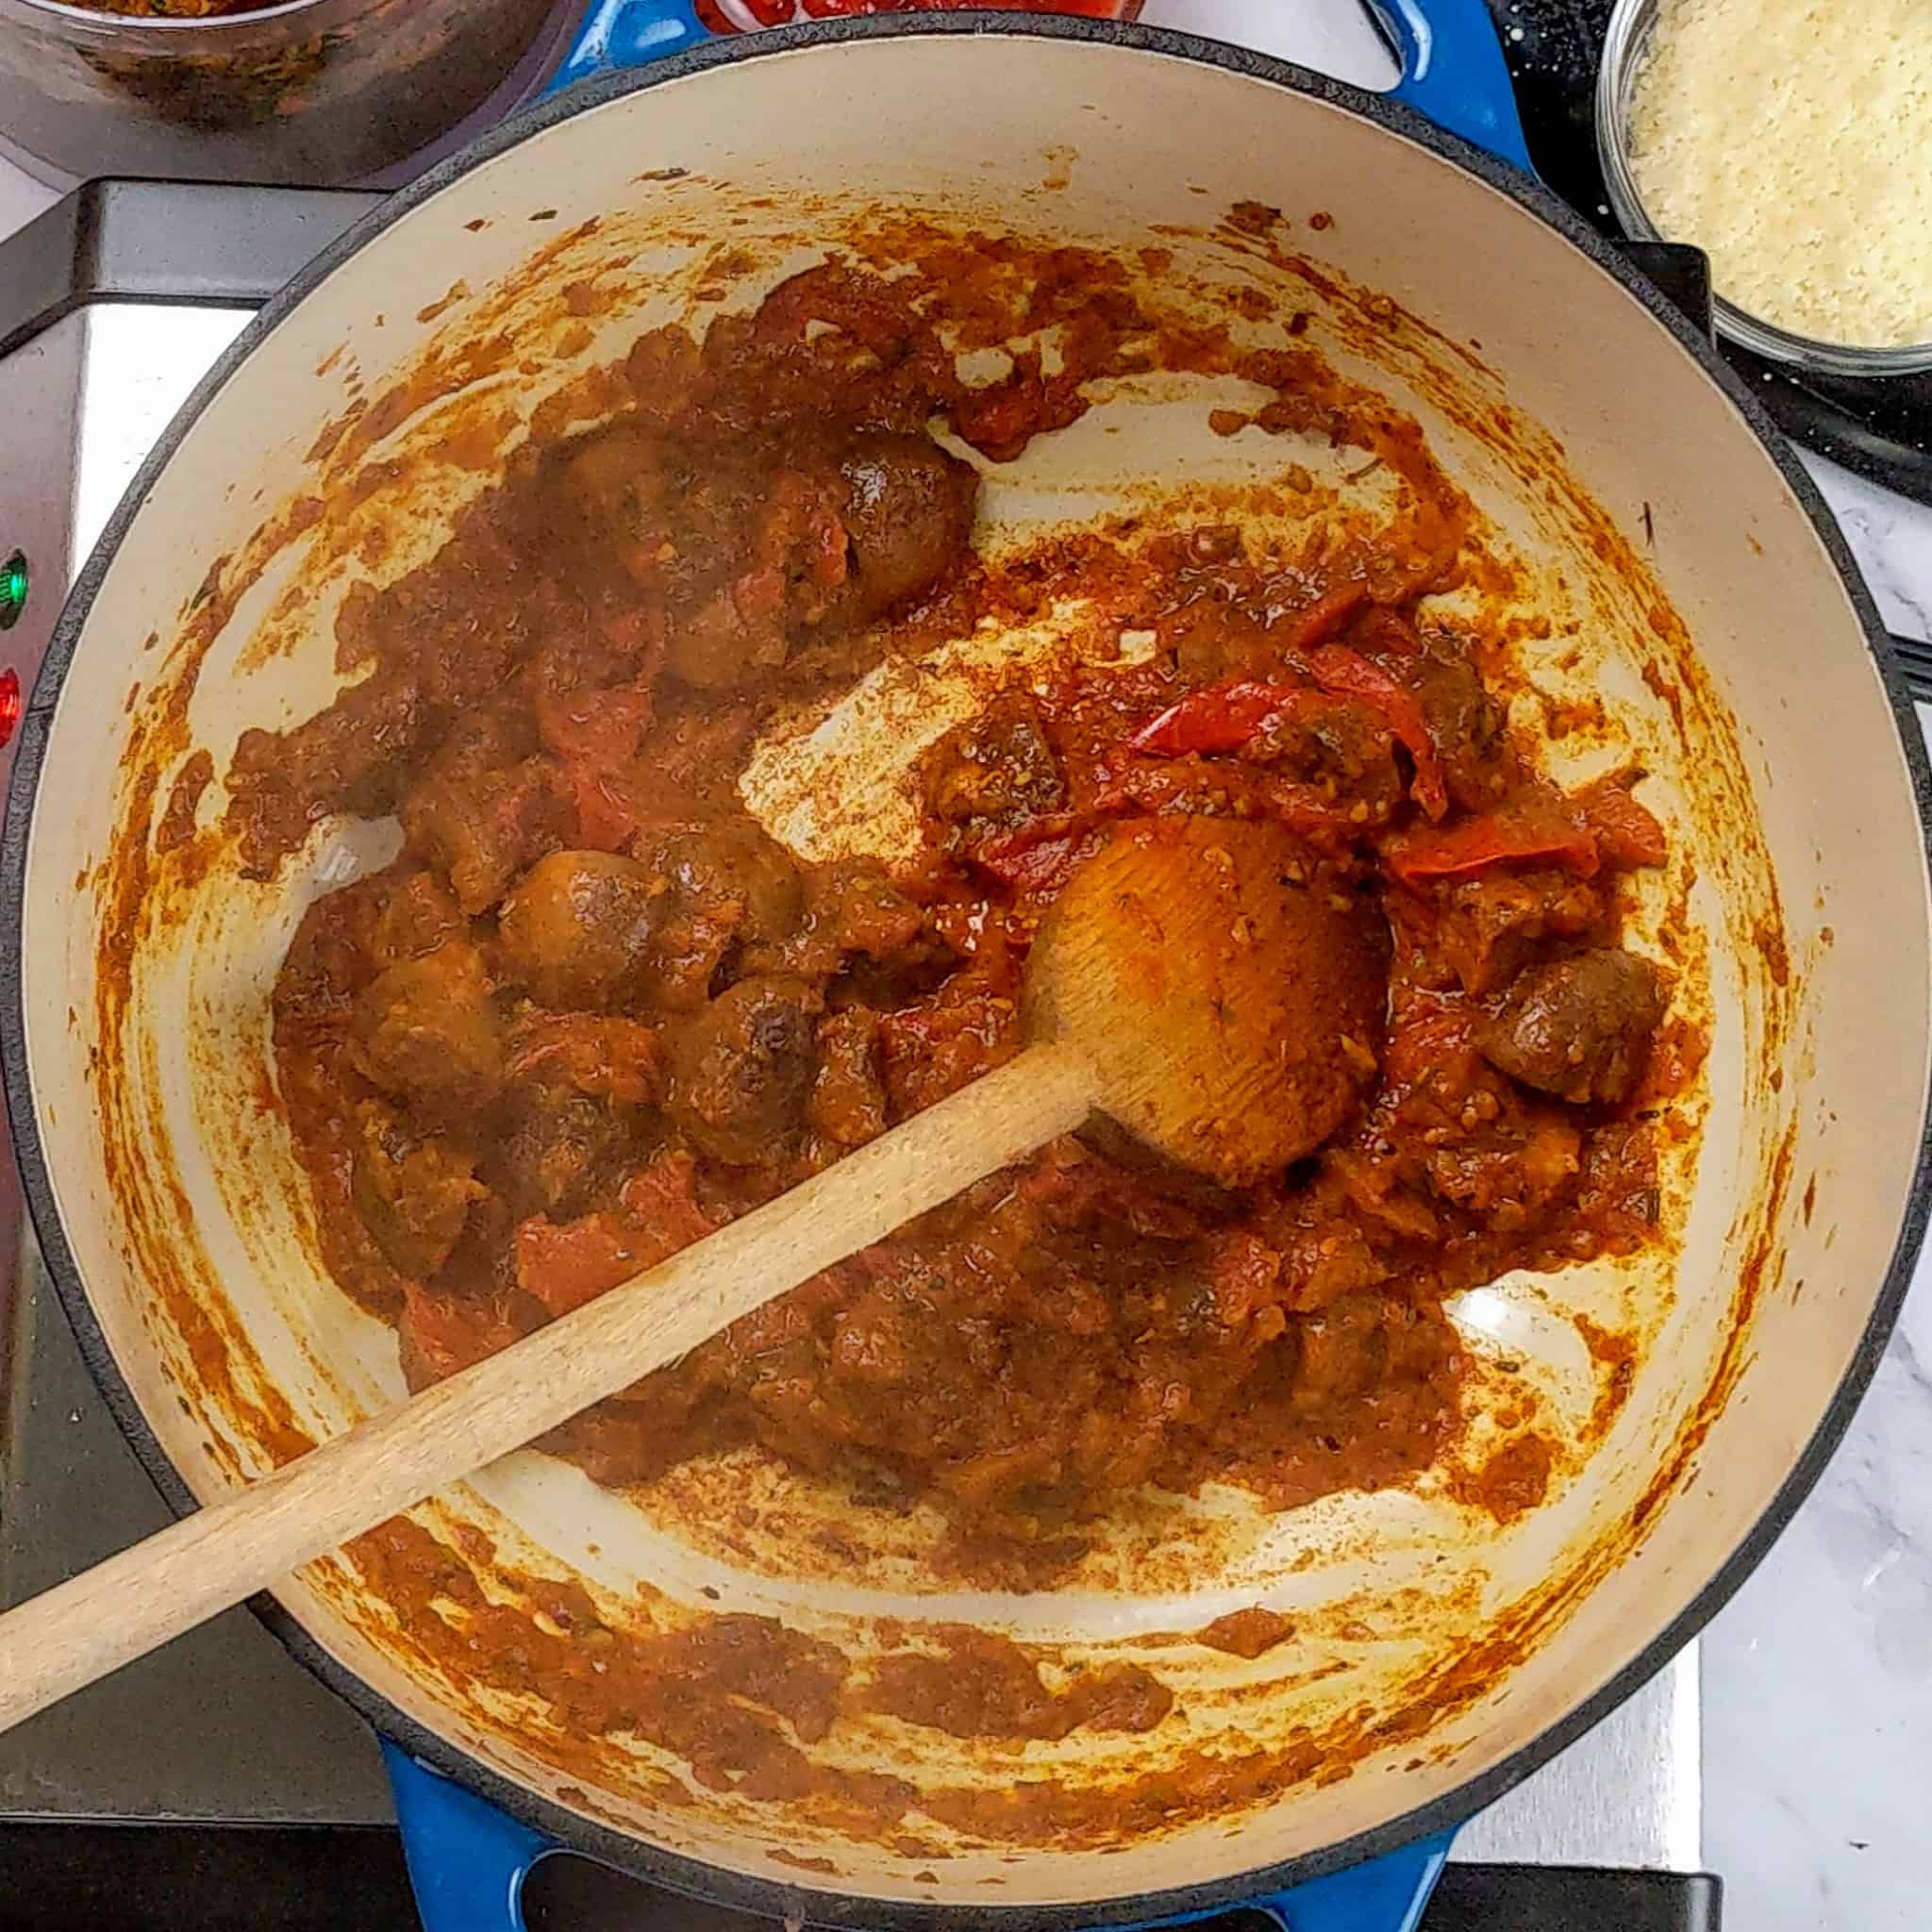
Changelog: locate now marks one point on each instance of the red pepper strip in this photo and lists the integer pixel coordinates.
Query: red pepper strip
(1222, 717)
(1325, 616)
(442, 1333)
(565, 1264)
(1040, 858)
(1347, 674)
(1386, 634)
(1474, 846)
(599, 724)
(1311, 814)
(1625, 833)
(605, 818)
(594, 733)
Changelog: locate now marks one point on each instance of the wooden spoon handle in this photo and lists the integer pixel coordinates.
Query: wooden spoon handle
(120, 1610)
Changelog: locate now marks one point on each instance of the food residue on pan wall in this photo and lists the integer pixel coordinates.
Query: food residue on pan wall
(1432, 1658)
(1249, 1633)
(742, 1706)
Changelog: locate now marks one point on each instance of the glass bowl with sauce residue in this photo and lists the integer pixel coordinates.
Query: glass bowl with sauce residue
(303, 91)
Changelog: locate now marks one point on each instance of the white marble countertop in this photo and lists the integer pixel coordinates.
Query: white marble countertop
(1817, 1680)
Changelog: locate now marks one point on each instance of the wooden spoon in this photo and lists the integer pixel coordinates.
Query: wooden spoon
(1190, 983)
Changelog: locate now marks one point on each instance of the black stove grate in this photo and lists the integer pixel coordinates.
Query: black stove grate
(350, 1878)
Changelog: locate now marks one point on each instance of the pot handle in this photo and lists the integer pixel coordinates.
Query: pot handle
(1385, 1894)
(467, 1859)
(1452, 72)
(626, 33)
(1451, 63)
(468, 1862)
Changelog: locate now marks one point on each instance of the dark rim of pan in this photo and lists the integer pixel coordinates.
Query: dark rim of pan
(570, 1830)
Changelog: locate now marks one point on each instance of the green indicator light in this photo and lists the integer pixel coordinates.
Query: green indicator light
(12, 590)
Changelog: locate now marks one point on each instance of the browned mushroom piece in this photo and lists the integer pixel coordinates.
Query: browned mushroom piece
(578, 929)
(1580, 1028)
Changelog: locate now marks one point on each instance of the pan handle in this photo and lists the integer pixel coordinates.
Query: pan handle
(468, 1861)
(626, 33)
(1452, 72)
(1385, 1894)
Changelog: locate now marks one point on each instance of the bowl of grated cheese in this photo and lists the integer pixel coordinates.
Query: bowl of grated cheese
(1790, 140)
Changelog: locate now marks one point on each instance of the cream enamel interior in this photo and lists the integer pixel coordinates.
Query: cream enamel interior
(979, 126)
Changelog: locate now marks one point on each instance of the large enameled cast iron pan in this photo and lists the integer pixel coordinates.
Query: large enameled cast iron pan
(1699, 588)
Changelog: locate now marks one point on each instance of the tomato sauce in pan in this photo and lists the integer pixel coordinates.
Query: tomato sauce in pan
(593, 1011)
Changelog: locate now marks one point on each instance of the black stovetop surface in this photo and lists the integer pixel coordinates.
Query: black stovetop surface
(350, 1878)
